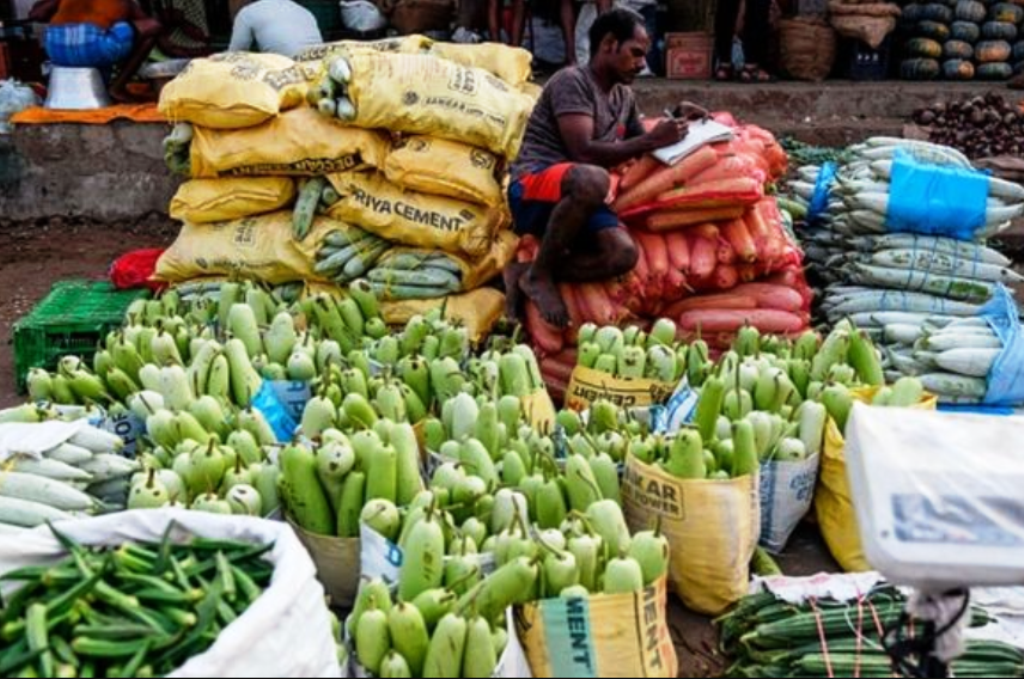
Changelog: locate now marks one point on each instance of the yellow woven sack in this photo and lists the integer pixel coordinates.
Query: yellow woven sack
(478, 311)
(202, 201)
(424, 94)
(712, 527)
(300, 143)
(511, 64)
(234, 90)
(532, 90)
(406, 44)
(261, 248)
(833, 504)
(589, 385)
(371, 202)
(445, 168)
(605, 635)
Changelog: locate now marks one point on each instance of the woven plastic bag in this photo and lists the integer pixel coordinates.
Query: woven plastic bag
(203, 201)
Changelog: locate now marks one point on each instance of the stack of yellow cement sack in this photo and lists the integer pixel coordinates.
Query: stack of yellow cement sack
(383, 161)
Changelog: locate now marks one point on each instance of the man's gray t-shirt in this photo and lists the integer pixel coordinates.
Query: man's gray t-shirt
(574, 91)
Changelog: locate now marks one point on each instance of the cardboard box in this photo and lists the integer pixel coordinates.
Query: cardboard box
(689, 56)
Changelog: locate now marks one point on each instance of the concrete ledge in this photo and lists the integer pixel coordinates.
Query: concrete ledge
(102, 172)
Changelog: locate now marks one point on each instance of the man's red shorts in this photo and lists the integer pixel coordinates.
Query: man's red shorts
(533, 198)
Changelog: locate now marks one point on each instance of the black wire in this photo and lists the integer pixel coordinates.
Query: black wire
(904, 650)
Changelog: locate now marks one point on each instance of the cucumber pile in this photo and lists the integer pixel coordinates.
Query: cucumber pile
(80, 477)
(140, 610)
(765, 636)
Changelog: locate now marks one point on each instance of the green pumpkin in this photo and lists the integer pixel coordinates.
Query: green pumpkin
(1005, 12)
(933, 30)
(965, 31)
(920, 69)
(1018, 52)
(937, 12)
(995, 72)
(956, 49)
(914, 12)
(924, 48)
(993, 52)
(969, 10)
(958, 69)
(999, 30)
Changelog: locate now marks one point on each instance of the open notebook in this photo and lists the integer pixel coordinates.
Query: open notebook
(701, 134)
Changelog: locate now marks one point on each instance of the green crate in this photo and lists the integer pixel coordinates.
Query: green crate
(73, 319)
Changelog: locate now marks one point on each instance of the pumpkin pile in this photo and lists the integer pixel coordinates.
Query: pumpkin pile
(962, 40)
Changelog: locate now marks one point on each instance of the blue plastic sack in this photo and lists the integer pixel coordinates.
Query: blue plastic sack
(275, 412)
(1006, 381)
(822, 191)
(293, 396)
(936, 200)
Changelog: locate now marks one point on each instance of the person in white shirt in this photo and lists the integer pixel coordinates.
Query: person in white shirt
(275, 26)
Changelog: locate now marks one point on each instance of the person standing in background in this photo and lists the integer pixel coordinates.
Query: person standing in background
(648, 9)
(98, 34)
(566, 16)
(750, 22)
(276, 26)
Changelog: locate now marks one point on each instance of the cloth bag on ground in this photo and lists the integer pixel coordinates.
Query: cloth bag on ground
(712, 528)
(261, 248)
(203, 201)
(445, 168)
(833, 503)
(424, 94)
(298, 143)
(234, 90)
(411, 218)
(622, 635)
(285, 633)
(787, 494)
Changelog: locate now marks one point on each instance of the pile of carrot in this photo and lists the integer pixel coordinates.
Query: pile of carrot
(714, 255)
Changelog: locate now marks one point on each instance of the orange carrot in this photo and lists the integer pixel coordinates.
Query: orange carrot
(642, 269)
(678, 251)
(724, 253)
(667, 178)
(638, 171)
(547, 338)
(703, 257)
(656, 252)
(722, 300)
(735, 231)
(729, 166)
(731, 320)
(757, 228)
(726, 277)
(670, 220)
(576, 314)
(595, 300)
(556, 366)
(709, 231)
(748, 273)
(675, 284)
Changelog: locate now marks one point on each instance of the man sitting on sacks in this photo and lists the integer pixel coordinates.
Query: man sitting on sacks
(585, 123)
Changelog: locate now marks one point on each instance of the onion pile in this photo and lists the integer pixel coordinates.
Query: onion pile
(980, 127)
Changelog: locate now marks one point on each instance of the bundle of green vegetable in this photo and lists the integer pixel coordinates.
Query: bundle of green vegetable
(83, 476)
(347, 255)
(138, 610)
(330, 95)
(767, 637)
(416, 275)
(634, 354)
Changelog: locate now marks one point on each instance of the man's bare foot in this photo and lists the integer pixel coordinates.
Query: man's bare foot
(514, 273)
(545, 294)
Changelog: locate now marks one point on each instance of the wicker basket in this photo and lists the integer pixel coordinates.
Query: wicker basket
(808, 49)
(422, 16)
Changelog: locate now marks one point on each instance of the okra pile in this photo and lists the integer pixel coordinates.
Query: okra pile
(767, 637)
(137, 610)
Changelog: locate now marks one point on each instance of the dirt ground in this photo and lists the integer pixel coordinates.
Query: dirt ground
(35, 256)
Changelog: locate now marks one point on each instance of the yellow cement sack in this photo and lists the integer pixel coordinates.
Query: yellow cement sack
(478, 311)
(532, 90)
(424, 94)
(511, 64)
(406, 44)
(712, 527)
(445, 168)
(202, 201)
(605, 635)
(833, 503)
(234, 90)
(371, 202)
(588, 385)
(261, 248)
(299, 143)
